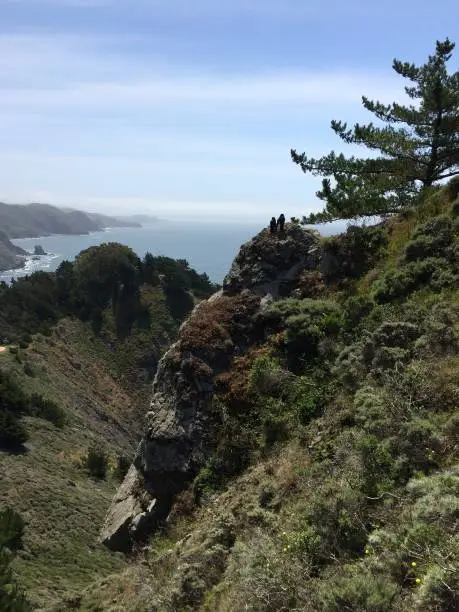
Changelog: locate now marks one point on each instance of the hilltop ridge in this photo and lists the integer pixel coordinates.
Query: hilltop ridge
(34, 220)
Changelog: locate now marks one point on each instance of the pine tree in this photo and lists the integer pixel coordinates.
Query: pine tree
(418, 146)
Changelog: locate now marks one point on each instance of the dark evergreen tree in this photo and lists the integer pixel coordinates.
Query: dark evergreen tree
(418, 146)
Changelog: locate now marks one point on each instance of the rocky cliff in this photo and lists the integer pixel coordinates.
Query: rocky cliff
(180, 431)
(11, 256)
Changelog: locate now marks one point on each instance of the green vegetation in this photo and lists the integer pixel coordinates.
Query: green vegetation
(121, 467)
(96, 462)
(11, 532)
(333, 481)
(14, 404)
(417, 146)
(329, 475)
(105, 280)
(82, 346)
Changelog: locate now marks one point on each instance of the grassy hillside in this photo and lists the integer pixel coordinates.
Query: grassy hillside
(74, 388)
(60, 503)
(346, 414)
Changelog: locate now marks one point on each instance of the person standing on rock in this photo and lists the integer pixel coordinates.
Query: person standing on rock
(281, 222)
(273, 225)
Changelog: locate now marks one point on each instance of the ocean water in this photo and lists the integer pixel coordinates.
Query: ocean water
(208, 247)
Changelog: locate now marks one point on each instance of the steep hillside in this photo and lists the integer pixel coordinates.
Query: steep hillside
(46, 481)
(11, 256)
(301, 448)
(76, 366)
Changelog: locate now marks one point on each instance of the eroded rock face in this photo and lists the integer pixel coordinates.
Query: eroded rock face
(181, 423)
(269, 262)
(125, 511)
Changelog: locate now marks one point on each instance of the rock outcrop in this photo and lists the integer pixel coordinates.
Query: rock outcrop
(181, 423)
(271, 263)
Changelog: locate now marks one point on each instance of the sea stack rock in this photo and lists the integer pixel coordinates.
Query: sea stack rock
(39, 250)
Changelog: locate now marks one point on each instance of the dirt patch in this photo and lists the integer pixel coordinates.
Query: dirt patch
(2, 349)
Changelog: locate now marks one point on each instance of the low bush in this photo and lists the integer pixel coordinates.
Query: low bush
(29, 370)
(430, 239)
(47, 409)
(11, 529)
(13, 404)
(306, 323)
(350, 255)
(309, 403)
(122, 467)
(12, 432)
(357, 588)
(96, 462)
(398, 283)
(355, 309)
(264, 577)
(12, 599)
(275, 429)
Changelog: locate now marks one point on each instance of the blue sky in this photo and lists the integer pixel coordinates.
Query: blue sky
(189, 108)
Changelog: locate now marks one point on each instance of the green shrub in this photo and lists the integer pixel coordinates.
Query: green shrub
(309, 404)
(12, 432)
(353, 253)
(275, 429)
(11, 529)
(444, 279)
(355, 309)
(122, 467)
(264, 578)
(349, 365)
(96, 462)
(47, 409)
(208, 479)
(378, 466)
(452, 189)
(306, 322)
(439, 228)
(267, 378)
(357, 588)
(11, 533)
(12, 598)
(430, 239)
(399, 283)
(28, 370)
(330, 525)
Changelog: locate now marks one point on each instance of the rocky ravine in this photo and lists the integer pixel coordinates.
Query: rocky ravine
(178, 436)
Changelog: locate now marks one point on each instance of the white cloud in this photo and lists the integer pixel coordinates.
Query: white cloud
(82, 123)
(249, 91)
(72, 73)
